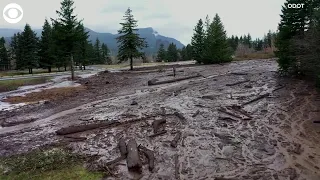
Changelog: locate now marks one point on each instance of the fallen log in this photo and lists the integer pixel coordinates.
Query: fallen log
(176, 166)
(237, 83)
(196, 113)
(239, 73)
(174, 142)
(181, 117)
(223, 110)
(76, 138)
(316, 121)
(150, 156)
(85, 127)
(158, 133)
(113, 162)
(152, 82)
(240, 110)
(278, 88)
(157, 123)
(123, 147)
(256, 99)
(133, 160)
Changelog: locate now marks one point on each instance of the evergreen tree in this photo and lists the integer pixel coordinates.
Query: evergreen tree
(172, 53)
(4, 59)
(69, 31)
(161, 55)
(197, 42)
(249, 41)
(28, 43)
(81, 48)
(183, 54)
(97, 51)
(129, 41)
(105, 54)
(217, 48)
(293, 23)
(189, 52)
(46, 57)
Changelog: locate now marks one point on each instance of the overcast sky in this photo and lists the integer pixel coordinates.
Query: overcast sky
(173, 18)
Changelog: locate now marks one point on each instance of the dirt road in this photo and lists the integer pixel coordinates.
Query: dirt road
(237, 121)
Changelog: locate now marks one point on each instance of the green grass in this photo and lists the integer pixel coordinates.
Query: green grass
(25, 72)
(256, 55)
(10, 85)
(54, 164)
(124, 65)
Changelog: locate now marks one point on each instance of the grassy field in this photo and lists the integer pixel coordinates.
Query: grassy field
(125, 65)
(10, 85)
(52, 164)
(25, 72)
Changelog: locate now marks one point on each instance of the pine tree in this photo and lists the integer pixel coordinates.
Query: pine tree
(81, 48)
(217, 48)
(172, 53)
(69, 31)
(46, 57)
(293, 23)
(129, 41)
(97, 51)
(183, 54)
(105, 54)
(4, 59)
(161, 55)
(197, 42)
(189, 50)
(28, 44)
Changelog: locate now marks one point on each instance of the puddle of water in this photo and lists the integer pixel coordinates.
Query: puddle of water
(4, 106)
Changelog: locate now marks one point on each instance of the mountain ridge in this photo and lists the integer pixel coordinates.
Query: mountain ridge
(153, 38)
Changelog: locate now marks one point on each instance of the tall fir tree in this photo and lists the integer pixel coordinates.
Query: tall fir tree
(189, 50)
(293, 23)
(217, 48)
(46, 57)
(30, 48)
(4, 58)
(105, 54)
(129, 41)
(161, 55)
(97, 50)
(197, 42)
(172, 53)
(69, 31)
(81, 48)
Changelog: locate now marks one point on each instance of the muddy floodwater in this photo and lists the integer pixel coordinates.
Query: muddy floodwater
(237, 121)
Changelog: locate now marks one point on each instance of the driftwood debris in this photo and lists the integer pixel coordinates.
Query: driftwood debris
(123, 147)
(85, 127)
(240, 110)
(149, 154)
(75, 138)
(154, 82)
(176, 166)
(316, 121)
(181, 117)
(256, 99)
(239, 73)
(237, 83)
(158, 133)
(115, 161)
(174, 142)
(196, 113)
(133, 159)
(157, 123)
(226, 111)
(278, 88)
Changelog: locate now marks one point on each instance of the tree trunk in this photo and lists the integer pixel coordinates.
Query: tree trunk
(31, 70)
(65, 68)
(72, 69)
(84, 67)
(49, 69)
(131, 62)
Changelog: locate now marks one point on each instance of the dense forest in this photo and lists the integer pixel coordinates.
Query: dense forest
(64, 43)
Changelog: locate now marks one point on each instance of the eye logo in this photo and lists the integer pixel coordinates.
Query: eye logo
(11, 13)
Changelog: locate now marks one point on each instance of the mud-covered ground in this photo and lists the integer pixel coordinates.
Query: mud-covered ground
(279, 142)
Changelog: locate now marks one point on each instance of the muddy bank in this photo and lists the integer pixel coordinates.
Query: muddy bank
(271, 137)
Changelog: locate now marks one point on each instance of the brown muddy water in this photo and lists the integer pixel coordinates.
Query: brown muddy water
(279, 142)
